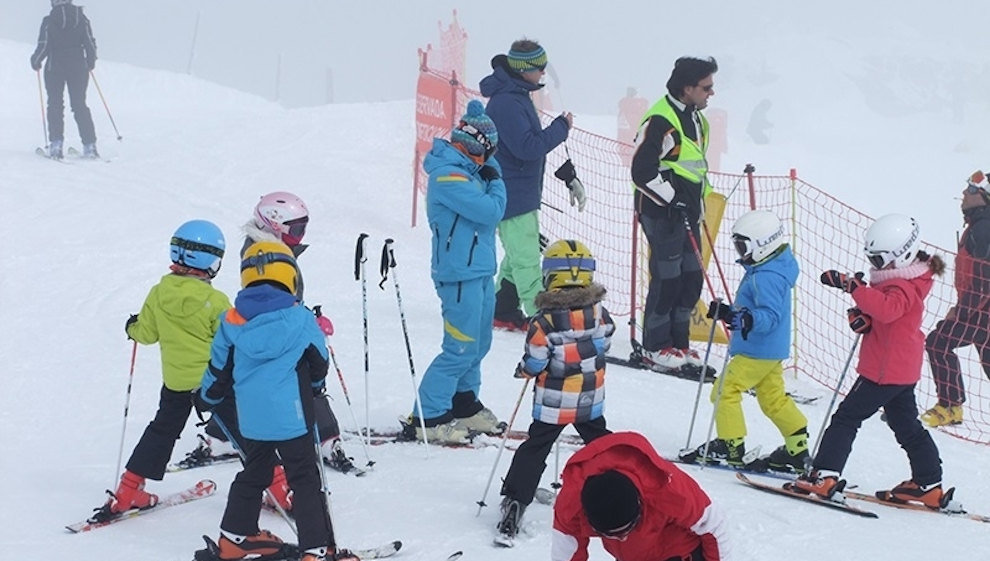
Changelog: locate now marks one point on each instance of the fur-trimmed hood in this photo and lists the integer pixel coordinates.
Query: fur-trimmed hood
(571, 298)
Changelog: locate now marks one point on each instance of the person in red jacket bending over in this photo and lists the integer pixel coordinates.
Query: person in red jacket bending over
(643, 507)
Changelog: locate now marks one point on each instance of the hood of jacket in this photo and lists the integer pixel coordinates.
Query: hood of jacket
(504, 80)
(182, 296)
(570, 298)
(269, 332)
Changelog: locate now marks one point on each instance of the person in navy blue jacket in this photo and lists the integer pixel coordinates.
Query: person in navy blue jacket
(522, 152)
(761, 320)
(66, 41)
(464, 202)
(273, 355)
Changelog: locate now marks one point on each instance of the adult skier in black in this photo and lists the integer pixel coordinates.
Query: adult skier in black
(66, 41)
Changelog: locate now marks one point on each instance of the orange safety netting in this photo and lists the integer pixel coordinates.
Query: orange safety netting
(823, 232)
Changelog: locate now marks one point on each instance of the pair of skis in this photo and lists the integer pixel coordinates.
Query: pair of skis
(71, 152)
(787, 491)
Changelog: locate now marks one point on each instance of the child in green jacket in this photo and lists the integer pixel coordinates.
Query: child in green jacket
(181, 313)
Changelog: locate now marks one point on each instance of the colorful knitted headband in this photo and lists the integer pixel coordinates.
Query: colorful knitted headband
(525, 61)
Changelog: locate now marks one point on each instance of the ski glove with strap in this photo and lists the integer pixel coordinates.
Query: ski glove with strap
(858, 321)
(201, 405)
(842, 281)
(127, 325)
(737, 320)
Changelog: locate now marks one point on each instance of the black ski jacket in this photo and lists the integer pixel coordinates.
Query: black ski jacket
(66, 38)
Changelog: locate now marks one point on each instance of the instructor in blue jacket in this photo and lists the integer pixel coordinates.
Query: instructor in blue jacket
(465, 200)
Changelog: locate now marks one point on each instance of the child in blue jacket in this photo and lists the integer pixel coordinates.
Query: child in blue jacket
(761, 318)
(273, 355)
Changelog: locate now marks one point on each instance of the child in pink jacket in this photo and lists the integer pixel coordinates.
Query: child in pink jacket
(888, 314)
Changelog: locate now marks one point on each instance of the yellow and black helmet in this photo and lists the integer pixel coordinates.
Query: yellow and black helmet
(567, 263)
(269, 261)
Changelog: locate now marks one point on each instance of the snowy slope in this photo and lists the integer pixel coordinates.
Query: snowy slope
(88, 239)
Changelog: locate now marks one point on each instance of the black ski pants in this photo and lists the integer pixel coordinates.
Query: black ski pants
(941, 344)
(529, 460)
(898, 402)
(676, 280)
(309, 506)
(58, 75)
(154, 449)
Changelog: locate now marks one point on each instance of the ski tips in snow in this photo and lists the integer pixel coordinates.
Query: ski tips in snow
(455, 556)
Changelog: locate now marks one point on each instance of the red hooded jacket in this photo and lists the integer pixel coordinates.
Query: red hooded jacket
(893, 350)
(677, 514)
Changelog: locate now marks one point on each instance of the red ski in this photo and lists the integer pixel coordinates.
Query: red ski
(200, 490)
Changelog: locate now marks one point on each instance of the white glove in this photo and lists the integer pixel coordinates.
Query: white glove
(662, 188)
(577, 193)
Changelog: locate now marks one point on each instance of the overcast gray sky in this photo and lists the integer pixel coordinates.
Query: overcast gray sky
(367, 48)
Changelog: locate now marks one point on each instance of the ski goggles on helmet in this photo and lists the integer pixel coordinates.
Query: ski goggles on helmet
(881, 259)
(294, 230)
(744, 246)
(479, 136)
(978, 184)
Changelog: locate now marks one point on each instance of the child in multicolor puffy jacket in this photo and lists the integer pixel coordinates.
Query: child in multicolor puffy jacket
(888, 314)
(565, 352)
(182, 314)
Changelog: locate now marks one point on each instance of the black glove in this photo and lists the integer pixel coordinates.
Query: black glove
(719, 310)
(741, 320)
(320, 391)
(488, 173)
(91, 64)
(566, 171)
(201, 405)
(35, 65)
(842, 281)
(858, 321)
(127, 325)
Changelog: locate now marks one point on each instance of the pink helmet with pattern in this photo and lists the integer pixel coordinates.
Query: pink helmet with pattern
(284, 215)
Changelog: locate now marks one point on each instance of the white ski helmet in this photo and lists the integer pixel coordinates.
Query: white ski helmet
(284, 215)
(892, 240)
(757, 234)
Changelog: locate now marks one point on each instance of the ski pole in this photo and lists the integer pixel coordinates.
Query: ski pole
(831, 404)
(359, 261)
(711, 423)
(501, 446)
(388, 262)
(343, 386)
(44, 118)
(556, 467)
(237, 448)
(697, 254)
(127, 407)
(105, 106)
(325, 487)
(701, 377)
